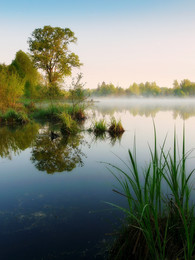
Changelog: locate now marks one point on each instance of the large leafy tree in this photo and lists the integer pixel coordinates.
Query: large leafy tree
(50, 50)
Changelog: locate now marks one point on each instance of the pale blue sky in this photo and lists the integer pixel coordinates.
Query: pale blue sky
(118, 41)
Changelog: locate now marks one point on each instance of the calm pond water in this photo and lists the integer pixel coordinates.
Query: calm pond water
(53, 192)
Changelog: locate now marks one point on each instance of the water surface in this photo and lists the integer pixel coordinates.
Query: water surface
(53, 192)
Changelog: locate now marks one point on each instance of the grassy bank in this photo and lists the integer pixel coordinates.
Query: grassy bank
(12, 116)
(52, 112)
(69, 118)
(158, 226)
(68, 125)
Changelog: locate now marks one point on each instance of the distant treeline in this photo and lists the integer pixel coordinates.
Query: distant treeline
(185, 88)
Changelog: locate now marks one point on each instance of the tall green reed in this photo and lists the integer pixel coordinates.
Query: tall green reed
(159, 217)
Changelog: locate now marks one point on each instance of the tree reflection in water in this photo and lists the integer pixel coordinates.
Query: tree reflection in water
(13, 140)
(184, 108)
(57, 155)
(113, 139)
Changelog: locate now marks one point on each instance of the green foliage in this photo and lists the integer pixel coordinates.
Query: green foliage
(105, 90)
(50, 51)
(159, 225)
(148, 89)
(52, 92)
(24, 67)
(78, 97)
(11, 89)
(51, 112)
(77, 112)
(178, 92)
(3, 67)
(34, 92)
(100, 127)
(69, 126)
(134, 90)
(166, 92)
(54, 112)
(175, 84)
(115, 128)
(187, 87)
(12, 117)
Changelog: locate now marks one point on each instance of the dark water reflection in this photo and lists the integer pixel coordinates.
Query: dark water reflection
(62, 217)
(48, 154)
(52, 191)
(57, 155)
(13, 140)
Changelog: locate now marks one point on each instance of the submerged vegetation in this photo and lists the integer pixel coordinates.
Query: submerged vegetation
(159, 225)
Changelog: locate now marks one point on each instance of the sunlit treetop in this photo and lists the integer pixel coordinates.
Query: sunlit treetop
(49, 47)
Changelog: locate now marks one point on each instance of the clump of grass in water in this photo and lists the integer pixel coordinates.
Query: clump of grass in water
(12, 117)
(78, 112)
(100, 127)
(158, 227)
(116, 128)
(69, 126)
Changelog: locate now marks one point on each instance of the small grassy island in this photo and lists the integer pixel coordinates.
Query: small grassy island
(115, 128)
